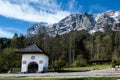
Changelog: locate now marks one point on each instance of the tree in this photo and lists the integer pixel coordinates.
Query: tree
(14, 41)
(21, 42)
(9, 59)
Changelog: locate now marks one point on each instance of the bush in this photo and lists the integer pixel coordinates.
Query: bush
(79, 62)
(115, 62)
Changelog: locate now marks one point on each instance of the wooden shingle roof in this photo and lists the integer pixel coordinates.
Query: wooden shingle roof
(31, 49)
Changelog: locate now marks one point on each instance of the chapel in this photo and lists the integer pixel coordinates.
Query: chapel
(34, 59)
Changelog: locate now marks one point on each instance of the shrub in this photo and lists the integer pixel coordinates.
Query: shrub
(115, 62)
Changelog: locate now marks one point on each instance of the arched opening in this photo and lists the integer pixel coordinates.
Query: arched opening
(32, 67)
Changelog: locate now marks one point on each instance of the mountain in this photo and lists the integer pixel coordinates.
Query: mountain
(90, 22)
(37, 28)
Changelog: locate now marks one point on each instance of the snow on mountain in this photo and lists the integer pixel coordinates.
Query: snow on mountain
(89, 22)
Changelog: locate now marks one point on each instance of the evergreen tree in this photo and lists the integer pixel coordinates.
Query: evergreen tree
(14, 41)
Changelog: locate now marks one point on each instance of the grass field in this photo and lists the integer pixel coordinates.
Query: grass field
(93, 67)
(89, 78)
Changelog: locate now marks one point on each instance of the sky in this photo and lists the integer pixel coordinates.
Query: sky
(16, 16)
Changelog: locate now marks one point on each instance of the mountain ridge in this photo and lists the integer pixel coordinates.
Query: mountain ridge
(90, 22)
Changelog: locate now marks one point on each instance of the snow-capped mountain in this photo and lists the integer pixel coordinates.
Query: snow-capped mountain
(89, 22)
(36, 28)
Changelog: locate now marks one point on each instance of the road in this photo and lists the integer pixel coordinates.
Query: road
(94, 73)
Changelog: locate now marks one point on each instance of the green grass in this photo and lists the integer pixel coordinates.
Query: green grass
(92, 67)
(88, 78)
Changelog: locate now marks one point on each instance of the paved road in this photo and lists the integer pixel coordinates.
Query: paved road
(95, 73)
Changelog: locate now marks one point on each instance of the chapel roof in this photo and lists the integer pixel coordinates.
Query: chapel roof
(31, 49)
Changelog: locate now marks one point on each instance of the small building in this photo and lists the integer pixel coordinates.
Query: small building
(34, 59)
(101, 61)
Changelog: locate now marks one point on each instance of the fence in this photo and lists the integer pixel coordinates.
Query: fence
(14, 70)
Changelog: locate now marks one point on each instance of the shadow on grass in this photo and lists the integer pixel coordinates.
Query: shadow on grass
(65, 71)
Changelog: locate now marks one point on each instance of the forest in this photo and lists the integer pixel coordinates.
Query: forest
(73, 49)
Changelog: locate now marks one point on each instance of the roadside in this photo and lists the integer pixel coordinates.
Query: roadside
(93, 73)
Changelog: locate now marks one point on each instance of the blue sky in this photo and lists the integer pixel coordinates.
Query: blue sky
(16, 16)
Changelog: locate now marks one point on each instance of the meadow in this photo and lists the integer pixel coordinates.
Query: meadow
(91, 67)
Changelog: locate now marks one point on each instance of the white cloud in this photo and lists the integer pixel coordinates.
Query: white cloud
(33, 10)
(71, 4)
(14, 30)
(4, 33)
(9, 31)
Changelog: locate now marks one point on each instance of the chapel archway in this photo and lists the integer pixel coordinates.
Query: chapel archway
(32, 67)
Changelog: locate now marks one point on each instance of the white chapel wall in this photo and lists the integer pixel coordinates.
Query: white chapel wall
(40, 59)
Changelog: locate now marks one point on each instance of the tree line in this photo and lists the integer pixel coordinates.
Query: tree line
(73, 49)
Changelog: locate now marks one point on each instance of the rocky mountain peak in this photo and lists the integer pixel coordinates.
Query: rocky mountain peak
(89, 22)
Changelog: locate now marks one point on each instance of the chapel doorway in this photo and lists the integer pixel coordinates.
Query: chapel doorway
(32, 67)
